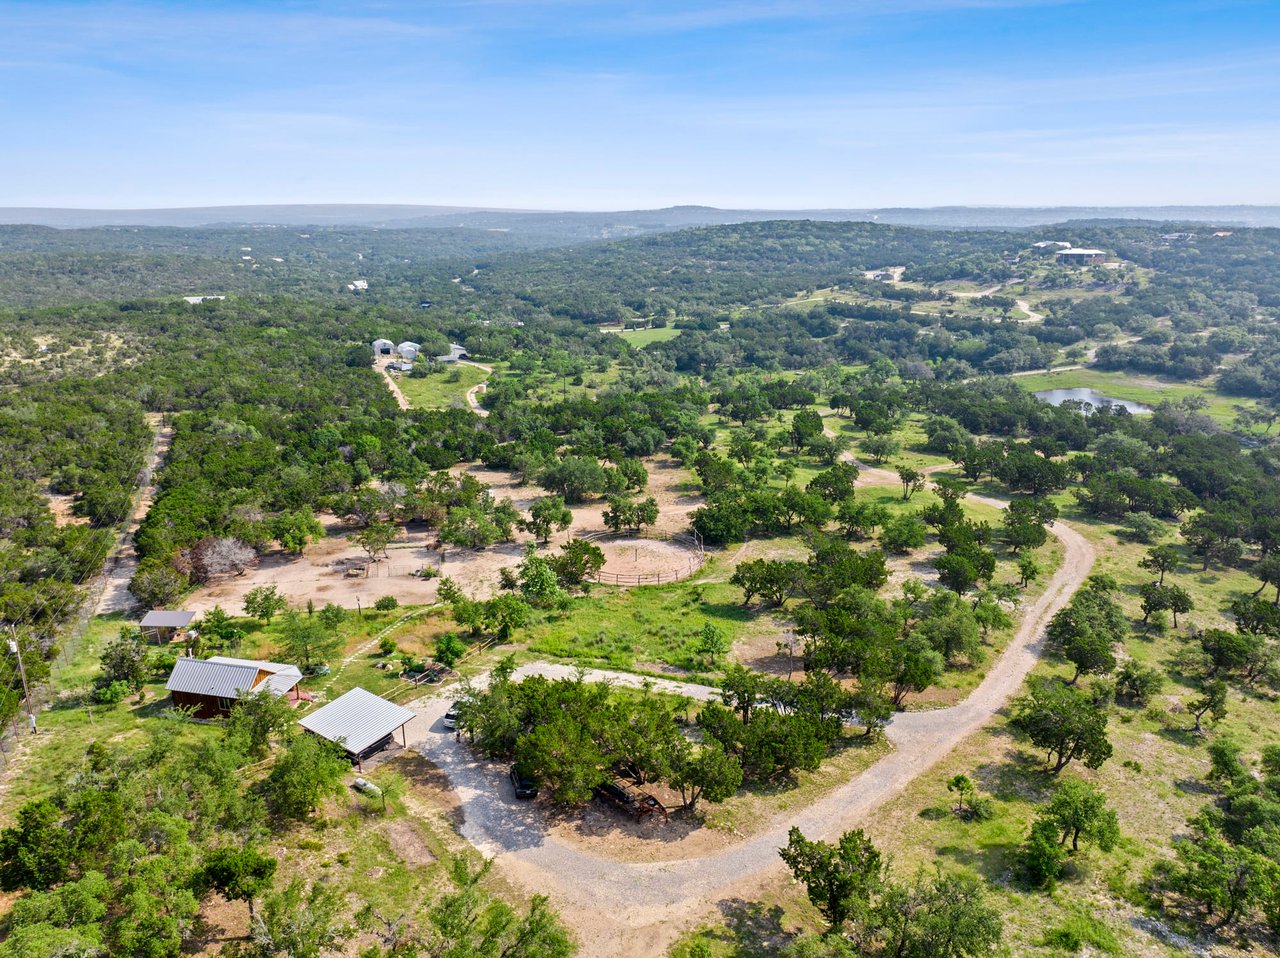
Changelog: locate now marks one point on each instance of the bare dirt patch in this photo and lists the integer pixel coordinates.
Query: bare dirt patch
(330, 570)
(407, 842)
(647, 560)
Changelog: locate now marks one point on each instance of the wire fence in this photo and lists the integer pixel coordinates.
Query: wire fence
(695, 558)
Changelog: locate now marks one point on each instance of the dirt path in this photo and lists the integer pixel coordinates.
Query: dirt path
(473, 394)
(123, 562)
(636, 910)
(401, 401)
(1032, 315)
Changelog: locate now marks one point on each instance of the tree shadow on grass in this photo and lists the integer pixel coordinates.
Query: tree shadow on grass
(752, 929)
(1020, 777)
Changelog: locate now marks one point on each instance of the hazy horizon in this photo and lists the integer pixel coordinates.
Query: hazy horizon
(586, 106)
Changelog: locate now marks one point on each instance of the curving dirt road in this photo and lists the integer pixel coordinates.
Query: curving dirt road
(473, 394)
(636, 910)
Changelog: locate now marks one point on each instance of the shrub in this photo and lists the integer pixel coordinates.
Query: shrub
(388, 603)
(387, 645)
(111, 693)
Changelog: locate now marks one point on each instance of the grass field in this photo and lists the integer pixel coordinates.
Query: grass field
(639, 338)
(442, 390)
(642, 628)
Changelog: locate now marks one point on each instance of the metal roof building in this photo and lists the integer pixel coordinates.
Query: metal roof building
(167, 620)
(361, 722)
(210, 687)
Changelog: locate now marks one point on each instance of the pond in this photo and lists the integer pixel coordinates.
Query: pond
(1056, 397)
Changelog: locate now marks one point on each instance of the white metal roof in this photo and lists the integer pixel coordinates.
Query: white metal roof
(1073, 251)
(228, 678)
(218, 679)
(356, 720)
(282, 678)
(165, 619)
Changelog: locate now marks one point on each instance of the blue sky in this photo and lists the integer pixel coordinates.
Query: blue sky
(587, 105)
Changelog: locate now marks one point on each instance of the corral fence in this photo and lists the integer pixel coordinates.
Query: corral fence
(691, 541)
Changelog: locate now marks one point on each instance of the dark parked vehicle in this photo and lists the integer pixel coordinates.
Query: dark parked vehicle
(525, 787)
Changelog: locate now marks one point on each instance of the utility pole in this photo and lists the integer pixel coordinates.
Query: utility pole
(17, 650)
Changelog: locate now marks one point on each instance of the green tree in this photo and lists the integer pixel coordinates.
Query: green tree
(470, 527)
(306, 641)
(309, 771)
(1042, 854)
(708, 772)
(258, 719)
(293, 530)
(775, 580)
(34, 852)
(374, 538)
(1080, 811)
(881, 448)
(913, 481)
(1209, 871)
(1161, 559)
(546, 514)
(902, 533)
(963, 786)
(156, 583)
(1064, 722)
(263, 602)
(332, 616)
(1211, 702)
(239, 874)
(841, 880)
(579, 561)
(125, 659)
(300, 922)
(938, 916)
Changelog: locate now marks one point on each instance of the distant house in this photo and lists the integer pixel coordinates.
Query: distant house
(1045, 244)
(211, 687)
(161, 625)
(408, 351)
(197, 300)
(1081, 257)
(361, 723)
(1221, 234)
(383, 347)
(358, 285)
(455, 353)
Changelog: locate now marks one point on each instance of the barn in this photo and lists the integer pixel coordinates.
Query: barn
(361, 723)
(454, 354)
(211, 687)
(408, 351)
(383, 347)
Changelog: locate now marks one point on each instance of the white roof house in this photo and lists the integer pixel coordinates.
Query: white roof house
(359, 721)
(408, 350)
(455, 353)
(383, 347)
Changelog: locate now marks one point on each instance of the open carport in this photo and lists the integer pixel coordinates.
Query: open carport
(361, 723)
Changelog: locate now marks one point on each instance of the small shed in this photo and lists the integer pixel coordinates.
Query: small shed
(360, 722)
(161, 625)
(211, 687)
(383, 347)
(408, 351)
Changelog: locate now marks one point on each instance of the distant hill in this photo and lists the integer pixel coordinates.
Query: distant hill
(553, 226)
